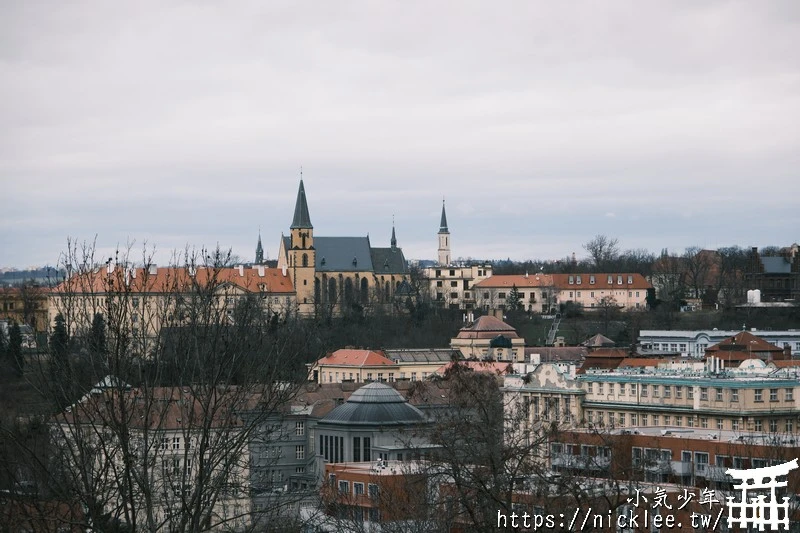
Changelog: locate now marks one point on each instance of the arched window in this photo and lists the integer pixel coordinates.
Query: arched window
(348, 290)
(317, 292)
(305, 260)
(364, 291)
(332, 291)
(386, 291)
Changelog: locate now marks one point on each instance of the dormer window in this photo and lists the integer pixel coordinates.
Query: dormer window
(578, 281)
(630, 280)
(322, 261)
(355, 261)
(610, 280)
(619, 280)
(591, 280)
(572, 280)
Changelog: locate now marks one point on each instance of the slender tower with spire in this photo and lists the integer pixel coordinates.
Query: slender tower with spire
(394, 237)
(444, 239)
(302, 255)
(259, 250)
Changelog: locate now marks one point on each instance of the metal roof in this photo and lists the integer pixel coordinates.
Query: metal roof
(375, 404)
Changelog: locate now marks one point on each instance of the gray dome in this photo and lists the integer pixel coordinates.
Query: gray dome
(376, 404)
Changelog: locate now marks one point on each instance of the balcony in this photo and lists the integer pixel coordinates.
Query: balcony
(701, 469)
(717, 473)
(658, 466)
(583, 462)
(682, 468)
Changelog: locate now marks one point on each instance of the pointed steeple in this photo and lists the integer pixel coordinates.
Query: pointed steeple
(394, 237)
(301, 220)
(259, 250)
(443, 223)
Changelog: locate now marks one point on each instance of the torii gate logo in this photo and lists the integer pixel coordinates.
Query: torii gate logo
(756, 510)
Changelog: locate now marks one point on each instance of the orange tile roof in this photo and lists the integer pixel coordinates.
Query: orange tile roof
(176, 279)
(601, 281)
(351, 357)
(517, 280)
(786, 363)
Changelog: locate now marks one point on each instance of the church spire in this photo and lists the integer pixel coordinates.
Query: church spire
(443, 223)
(394, 237)
(259, 250)
(301, 220)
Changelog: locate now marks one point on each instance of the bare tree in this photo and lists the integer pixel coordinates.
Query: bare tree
(158, 417)
(698, 265)
(604, 251)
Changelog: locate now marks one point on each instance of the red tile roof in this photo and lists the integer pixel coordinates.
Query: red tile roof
(744, 341)
(176, 280)
(518, 280)
(351, 357)
(487, 327)
(637, 281)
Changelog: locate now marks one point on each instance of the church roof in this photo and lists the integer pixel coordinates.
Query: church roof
(443, 222)
(375, 404)
(301, 220)
(388, 261)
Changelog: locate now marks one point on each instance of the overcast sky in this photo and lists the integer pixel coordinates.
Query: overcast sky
(664, 124)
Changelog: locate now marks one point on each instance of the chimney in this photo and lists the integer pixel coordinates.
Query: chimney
(241, 271)
(283, 270)
(526, 274)
(153, 269)
(261, 271)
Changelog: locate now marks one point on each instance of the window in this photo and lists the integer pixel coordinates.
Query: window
(734, 425)
(300, 452)
(704, 393)
(645, 386)
(440, 283)
(630, 280)
(656, 391)
(758, 395)
(720, 423)
(610, 280)
(773, 395)
(501, 295)
(176, 443)
(373, 490)
(759, 426)
(788, 426)
(690, 392)
(600, 388)
(622, 420)
(667, 420)
(452, 272)
(453, 295)
(572, 280)
(644, 420)
(690, 421)
(704, 422)
(300, 427)
(486, 295)
(773, 426)
(679, 391)
(734, 395)
(591, 280)
(344, 487)
(619, 280)
(678, 420)
(589, 387)
(633, 389)
(634, 419)
(454, 284)
(789, 395)
(718, 396)
(667, 391)
(577, 280)
(358, 488)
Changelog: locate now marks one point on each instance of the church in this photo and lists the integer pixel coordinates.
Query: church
(331, 274)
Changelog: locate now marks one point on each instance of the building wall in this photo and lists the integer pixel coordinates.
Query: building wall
(452, 285)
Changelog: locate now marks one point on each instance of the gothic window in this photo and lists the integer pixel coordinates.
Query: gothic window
(317, 291)
(348, 290)
(332, 290)
(364, 291)
(305, 259)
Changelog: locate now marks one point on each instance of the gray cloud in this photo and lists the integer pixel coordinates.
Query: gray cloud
(187, 122)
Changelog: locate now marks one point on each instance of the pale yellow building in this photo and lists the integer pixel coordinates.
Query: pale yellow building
(489, 338)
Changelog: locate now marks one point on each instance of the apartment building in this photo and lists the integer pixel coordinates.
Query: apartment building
(535, 293)
(693, 343)
(627, 291)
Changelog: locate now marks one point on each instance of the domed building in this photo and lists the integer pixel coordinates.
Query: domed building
(489, 338)
(376, 422)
